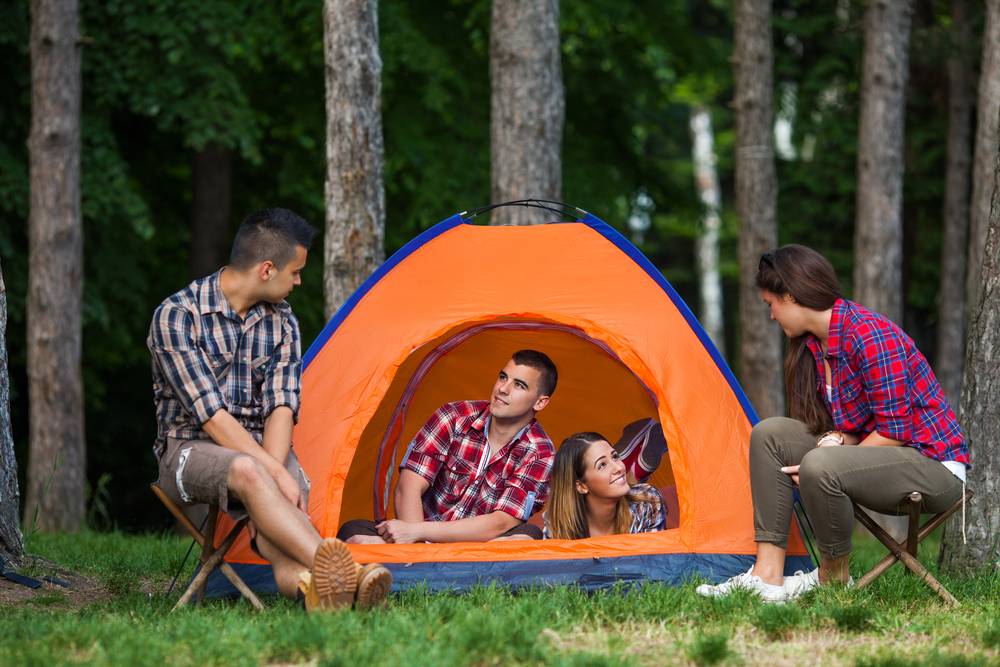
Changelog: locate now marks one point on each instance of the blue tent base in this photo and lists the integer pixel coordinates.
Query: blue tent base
(587, 573)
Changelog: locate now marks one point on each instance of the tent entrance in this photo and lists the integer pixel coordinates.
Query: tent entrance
(596, 392)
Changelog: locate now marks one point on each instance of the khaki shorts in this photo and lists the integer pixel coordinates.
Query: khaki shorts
(194, 472)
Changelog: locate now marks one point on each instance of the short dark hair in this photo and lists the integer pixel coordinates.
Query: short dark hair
(270, 234)
(541, 363)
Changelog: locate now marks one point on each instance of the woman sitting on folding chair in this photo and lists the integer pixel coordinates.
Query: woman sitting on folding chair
(870, 424)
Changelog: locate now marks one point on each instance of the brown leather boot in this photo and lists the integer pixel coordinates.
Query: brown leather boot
(374, 582)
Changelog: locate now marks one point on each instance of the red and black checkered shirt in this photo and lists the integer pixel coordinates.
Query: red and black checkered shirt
(881, 382)
(450, 452)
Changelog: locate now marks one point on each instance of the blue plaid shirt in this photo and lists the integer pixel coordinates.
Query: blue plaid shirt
(207, 358)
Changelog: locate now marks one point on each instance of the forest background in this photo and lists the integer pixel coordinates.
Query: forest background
(178, 92)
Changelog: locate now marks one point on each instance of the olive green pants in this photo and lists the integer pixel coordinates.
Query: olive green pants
(879, 478)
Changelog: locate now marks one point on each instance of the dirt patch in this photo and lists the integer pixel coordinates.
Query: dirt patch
(79, 591)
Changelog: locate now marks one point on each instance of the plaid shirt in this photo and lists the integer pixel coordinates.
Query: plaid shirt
(207, 358)
(450, 452)
(881, 382)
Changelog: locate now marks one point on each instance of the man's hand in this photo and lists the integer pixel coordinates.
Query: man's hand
(289, 488)
(396, 531)
(793, 472)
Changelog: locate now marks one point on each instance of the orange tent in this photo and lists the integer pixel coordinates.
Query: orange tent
(438, 320)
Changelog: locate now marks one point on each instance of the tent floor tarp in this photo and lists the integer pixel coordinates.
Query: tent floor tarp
(589, 573)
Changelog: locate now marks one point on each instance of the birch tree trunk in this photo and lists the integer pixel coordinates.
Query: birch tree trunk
(57, 457)
(878, 234)
(526, 107)
(951, 298)
(211, 206)
(756, 202)
(979, 415)
(11, 541)
(987, 126)
(706, 182)
(354, 244)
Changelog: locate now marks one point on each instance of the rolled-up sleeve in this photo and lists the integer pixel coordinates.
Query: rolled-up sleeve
(184, 365)
(881, 356)
(282, 377)
(528, 486)
(428, 449)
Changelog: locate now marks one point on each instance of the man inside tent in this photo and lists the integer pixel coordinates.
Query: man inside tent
(477, 470)
(226, 367)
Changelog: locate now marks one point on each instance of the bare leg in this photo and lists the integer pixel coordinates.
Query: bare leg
(770, 565)
(834, 570)
(286, 570)
(282, 524)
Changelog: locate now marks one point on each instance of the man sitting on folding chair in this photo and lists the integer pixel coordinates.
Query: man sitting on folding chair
(889, 431)
(226, 367)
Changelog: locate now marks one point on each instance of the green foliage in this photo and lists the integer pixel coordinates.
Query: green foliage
(709, 648)
(852, 618)
(777, 621)
(164, 79)
(991, 635)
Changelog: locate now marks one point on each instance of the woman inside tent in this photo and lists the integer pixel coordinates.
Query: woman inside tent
(590, 494)
(870, 424)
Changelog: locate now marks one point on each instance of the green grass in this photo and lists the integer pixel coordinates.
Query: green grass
(896, 621)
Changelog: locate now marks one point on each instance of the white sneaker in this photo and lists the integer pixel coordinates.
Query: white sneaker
(801, 582)
(745, 582)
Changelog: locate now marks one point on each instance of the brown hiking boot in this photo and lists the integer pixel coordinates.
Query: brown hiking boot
(333, 580)
(374, 582)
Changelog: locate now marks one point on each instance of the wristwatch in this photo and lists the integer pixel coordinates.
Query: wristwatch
(835, 436)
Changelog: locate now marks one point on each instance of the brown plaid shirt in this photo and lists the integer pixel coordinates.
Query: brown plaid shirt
(206, 358)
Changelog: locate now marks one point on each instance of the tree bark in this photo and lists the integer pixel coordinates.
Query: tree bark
(526, 107)
(11, 540)
(951, 298)
(211, 206)
(980, 417)
(355, 195)
(57, 457)
(706, 182)
(878, 234)
(987, 130)
(756, 202)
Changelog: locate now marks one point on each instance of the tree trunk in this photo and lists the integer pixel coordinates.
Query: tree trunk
(211, 176)
(526, 107)
(11, 541)
(951, 298)
(756, 202)
(706, 181)
(57, 457)
(987, 126)
(355, 195)
(980, 417)
(878, 234)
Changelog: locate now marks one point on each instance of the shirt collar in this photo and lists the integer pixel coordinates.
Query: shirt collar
(834, 335)
(212, 300)
(482, 424)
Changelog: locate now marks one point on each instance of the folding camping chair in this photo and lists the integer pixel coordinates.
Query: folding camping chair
(907, 553)
(211, 558)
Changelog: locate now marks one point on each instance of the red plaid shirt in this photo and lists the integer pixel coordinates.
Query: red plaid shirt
(450, 452)
(881, 382)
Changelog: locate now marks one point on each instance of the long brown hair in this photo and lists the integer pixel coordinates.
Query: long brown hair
(566, 511)
(810, 279)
